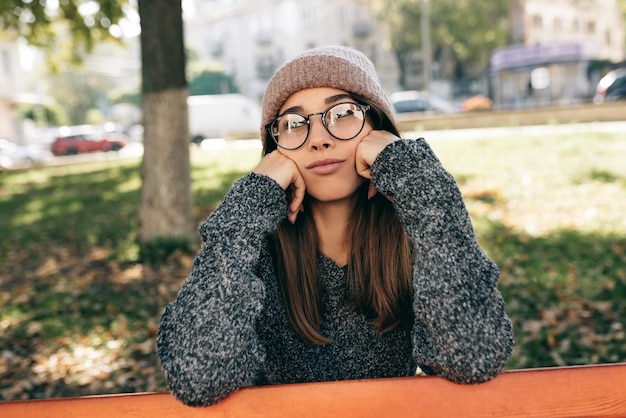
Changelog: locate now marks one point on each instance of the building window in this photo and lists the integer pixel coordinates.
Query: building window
(537, 22)
(558, 24)
(265, 67)
(591, 27)
(576, 26)
(607, 37)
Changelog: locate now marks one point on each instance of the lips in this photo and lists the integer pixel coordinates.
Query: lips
(325, 166)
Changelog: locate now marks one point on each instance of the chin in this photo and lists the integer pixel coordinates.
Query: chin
(333, 192)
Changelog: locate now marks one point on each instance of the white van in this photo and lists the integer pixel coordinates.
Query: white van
(223, 116)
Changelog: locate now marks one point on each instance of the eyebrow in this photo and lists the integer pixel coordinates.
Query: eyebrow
(328, 100)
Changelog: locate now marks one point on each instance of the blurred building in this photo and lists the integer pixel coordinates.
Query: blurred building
(11, 83)
(23, 81)
(250, 39)
(560, 49)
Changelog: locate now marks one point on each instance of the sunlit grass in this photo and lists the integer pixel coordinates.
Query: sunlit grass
(542, 185)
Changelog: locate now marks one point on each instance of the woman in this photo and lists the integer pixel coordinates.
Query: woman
(347, 253)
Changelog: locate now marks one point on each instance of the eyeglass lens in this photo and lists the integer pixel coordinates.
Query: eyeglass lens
(343, 121)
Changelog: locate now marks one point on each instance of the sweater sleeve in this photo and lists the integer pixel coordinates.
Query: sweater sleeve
(461, 331)
(206, 340)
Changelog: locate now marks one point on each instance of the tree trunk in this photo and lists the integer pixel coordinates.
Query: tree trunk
(166, 206)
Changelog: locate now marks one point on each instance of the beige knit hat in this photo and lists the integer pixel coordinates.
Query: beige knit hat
(333, 66)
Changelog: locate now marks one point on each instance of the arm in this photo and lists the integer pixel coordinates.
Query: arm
(206, 340)
(461, 331)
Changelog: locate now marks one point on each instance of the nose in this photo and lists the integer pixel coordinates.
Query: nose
(319, 137)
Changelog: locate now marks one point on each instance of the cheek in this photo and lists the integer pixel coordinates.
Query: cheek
(368, 126)
(290, 154)
(367, 129)
(298, 159)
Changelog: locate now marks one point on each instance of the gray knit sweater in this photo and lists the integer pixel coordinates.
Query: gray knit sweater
(228, 327)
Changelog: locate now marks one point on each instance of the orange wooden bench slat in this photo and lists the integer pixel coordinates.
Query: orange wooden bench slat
(589, 391)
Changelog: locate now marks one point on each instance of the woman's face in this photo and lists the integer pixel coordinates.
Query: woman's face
(327, 164)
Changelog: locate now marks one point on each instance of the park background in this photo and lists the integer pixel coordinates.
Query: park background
(80, 297)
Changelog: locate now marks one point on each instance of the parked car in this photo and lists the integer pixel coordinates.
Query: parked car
(477, 102)
(78, 140)
(14, 155)
(5, 161)
(223, 116)
(611, 87)
(416, 101)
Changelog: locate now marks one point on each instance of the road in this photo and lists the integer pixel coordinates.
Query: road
(135, 149)
(535, 130)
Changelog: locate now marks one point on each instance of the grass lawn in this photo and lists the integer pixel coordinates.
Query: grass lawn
(78, 313)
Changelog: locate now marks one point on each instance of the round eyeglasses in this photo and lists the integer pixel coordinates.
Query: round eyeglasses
(343, 121)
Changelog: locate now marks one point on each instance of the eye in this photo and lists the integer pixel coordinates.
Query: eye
(291, 123)
(343, 110)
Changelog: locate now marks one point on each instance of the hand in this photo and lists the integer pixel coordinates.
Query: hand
(367, 151)
(285, 172)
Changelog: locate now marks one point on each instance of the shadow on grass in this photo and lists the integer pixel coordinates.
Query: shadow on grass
(77, 319)
(79, 334)
(76, 210)
(565, 293)
(90, 208)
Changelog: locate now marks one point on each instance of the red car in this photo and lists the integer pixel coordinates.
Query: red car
(83, 142)
(477, 102)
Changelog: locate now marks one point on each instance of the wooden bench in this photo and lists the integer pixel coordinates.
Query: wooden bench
(581, 391)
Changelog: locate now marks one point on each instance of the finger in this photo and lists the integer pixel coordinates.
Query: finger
(362, 166)
(363, 170)
(277, 167)
(371, 191)
(295, 206)
(292, 216)
(299, 189)
(371, 146)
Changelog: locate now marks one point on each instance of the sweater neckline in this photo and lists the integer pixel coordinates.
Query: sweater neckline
(329, 261)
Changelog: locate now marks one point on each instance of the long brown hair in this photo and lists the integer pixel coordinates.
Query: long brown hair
(379, 269)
